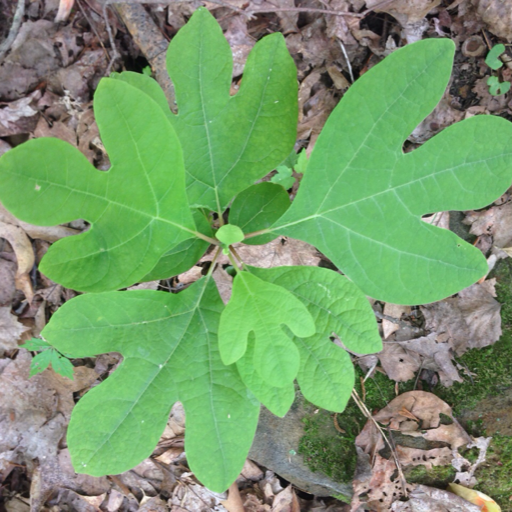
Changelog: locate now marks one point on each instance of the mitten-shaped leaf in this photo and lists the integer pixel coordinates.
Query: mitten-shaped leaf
(361, 200)
(326, 374)
(138, 209)
(277, 400)
(170, 352)
(230, 141)
(262, 308)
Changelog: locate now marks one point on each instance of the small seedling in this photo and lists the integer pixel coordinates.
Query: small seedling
(163, 203)
(496, 88)
(47, 356)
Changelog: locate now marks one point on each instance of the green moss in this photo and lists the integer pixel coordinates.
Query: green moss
(327, 450)
(494, 476)
(437, 476)
(334, 453)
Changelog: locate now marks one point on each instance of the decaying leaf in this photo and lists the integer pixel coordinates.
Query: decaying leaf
(10, 329)
(470, 320)
(424, 433)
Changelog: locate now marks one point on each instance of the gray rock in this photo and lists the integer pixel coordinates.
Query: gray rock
(276, 447)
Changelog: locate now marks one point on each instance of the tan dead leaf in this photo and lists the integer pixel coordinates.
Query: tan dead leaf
(496, 221)
(394, 311)
(115, 500)
(250, 471)
(402, 359)
(427, 499)
(419, 422)
(224, 283)
(188, 496)
(280, 252)
(286, 501)
(19, 116)
(234, 502)
(470, 320)
(148, 285)
(407, 12)
(17, 504)
(25, 258)
(95, 501)
(465, 468)
(240, 41)
(48, 233)
(497, 15)
(190, 276)
(170, 455)
(10, 329)
(7, 285)
(253, 504)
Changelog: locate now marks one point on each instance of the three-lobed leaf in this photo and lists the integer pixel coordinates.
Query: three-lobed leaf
(260, 309)
(229, 142)
(362, 198)
(170, 353)
(326, 374)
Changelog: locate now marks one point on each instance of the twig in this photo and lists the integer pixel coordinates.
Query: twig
(368, 414)
(79, 3)
(347, 60)
(13, 32)
(115, 55)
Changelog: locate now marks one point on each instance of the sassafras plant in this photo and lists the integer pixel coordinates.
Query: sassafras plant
(360, 202)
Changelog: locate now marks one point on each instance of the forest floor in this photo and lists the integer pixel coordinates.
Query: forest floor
(448, 364)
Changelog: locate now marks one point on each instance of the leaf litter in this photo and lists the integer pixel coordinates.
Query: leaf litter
(473, 314)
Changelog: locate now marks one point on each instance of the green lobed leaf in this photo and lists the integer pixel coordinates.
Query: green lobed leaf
(258, 207)
(262, 308)
(138, 209)
(362, 199)
(277, 400)
(283, 177)
(61, 365)
(184, 255)
(170, 353)
(326, 374)
(40, 362)
(229, 142)
(35, 344)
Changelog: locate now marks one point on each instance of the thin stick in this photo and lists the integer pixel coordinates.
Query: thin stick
(13, 32)
(115, 54)
(347, 60)
(368, 414)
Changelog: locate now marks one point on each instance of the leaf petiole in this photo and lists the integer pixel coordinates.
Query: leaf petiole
(257, 233)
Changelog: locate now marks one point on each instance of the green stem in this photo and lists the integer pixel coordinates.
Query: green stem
(206, 238)
(257, 233)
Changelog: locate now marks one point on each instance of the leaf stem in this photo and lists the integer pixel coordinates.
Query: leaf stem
(206, 238)
(214, 261)
(257, 233)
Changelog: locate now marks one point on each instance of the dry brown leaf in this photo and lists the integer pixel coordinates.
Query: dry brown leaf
(280, 252)
(402, 359)
(7, 285)
(419, 422)
(19, 116)
(406, 12)
(234, 502)
(240, 41)
(25, 258)
(497, 15)
(496, 221)
(427, 499)
(10, 329)
(48, 233)
(286, 501)
(394, 311)
(470, 320)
